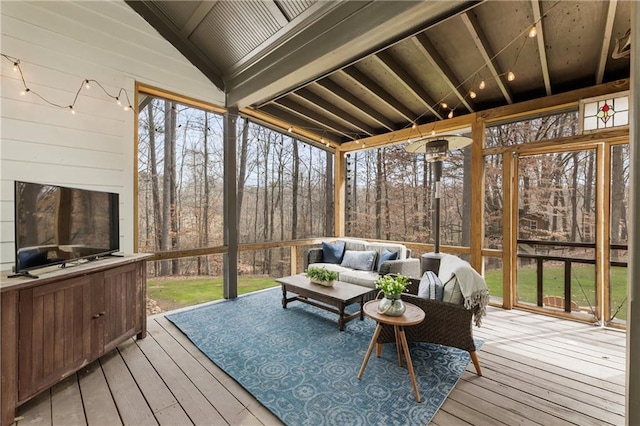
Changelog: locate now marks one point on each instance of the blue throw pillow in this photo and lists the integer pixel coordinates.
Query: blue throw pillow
(360, 260)
(430, 286)
(333, 252)
(386, 255)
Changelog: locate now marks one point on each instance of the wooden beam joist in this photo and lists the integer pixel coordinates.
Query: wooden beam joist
(606, 40)
(380, 93)
(441, 66)
(387, 61)
(544, 66)
(338, 91)
(482, 44)
(314, 118)
(339, 115)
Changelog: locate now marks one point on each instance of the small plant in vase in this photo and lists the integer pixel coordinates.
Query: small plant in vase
(321, 276)
(392, 287)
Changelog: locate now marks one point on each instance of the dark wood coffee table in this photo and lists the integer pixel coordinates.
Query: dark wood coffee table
(333, 299)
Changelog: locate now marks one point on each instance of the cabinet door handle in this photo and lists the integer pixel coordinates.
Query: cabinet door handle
(99, 315)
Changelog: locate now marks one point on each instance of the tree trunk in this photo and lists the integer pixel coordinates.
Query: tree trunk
(466, 198)
(378, 230)
(574, 198)
(166, 188)
(242, 172)
(588, 209)
(207, 196)
(173, 198)
(617, 195)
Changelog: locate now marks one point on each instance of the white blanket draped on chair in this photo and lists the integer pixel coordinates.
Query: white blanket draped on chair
(472, 285)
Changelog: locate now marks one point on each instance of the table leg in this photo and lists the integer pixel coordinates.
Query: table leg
(407, 355)
(373, 342)
(341, 318)
(362, 308)
(398, 344)
(284, 297)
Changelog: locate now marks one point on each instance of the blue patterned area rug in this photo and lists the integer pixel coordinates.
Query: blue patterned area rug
(298, 364)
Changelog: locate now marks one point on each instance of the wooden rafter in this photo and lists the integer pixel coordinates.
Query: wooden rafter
(480, 40)
(314, 118)
(380, 93)
(544, 66)
(338, 91)
(403, 77)
(606, 40)
(441, 66)
(339, 115)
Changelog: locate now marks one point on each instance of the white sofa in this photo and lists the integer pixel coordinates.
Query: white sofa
(404, 264)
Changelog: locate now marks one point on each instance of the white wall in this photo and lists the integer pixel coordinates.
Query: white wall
(61, 43)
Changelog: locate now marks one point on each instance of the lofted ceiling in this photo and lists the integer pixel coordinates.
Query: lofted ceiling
(352, 69)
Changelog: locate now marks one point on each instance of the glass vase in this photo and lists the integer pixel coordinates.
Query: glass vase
(391, 305)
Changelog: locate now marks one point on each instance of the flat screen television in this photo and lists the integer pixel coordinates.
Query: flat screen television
(55, 225)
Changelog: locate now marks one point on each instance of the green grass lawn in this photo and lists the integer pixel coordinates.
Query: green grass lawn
(172, 293)
(583, 279)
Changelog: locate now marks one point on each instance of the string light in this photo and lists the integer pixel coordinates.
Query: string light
(290, 129)
(482, 85)
(450, 115)
(414, 125)
(444, 105)
(511, 76)
(120, 97)
(533, 32)
(472, 94)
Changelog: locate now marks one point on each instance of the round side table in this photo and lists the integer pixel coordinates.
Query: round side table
(412, 316)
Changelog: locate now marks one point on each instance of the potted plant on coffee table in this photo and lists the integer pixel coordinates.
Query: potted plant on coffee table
(321, 275)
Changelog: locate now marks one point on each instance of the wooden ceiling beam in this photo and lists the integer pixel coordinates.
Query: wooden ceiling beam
(387, 61)
(281, 120)
(544, 66)
(606, 40)
(314, 118)
(380, 93)
(480, 40)
(441, 66)
(330, 108)
(336, 90)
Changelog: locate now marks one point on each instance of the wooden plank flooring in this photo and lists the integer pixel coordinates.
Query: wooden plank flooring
(536, 370)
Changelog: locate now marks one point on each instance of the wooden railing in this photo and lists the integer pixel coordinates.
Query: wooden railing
(568, 262)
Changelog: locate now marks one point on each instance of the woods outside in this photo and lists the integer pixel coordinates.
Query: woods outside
(285, 191)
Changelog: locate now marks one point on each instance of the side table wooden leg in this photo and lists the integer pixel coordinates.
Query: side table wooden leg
(396, 333)
(407, 355)
(369, 350)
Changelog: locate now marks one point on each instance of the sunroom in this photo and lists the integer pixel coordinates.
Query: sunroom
(319, 100)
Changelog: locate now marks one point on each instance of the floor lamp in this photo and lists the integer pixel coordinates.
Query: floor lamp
(435, 150)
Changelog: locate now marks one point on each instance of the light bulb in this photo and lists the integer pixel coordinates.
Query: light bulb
(482, 85)
(533, 32)
(87, 85)
(511, 76)
(328, 145)
(472, 94)
(444, 105)
(126, 107)
(25, 91)
(73, 111)
(15, 67)
(433, 132)
(414, 125)
(321, 140)
(290, 129)
(118, 101)
(450, 115)
(363, 144)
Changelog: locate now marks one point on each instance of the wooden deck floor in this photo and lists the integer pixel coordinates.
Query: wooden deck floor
(537, 370)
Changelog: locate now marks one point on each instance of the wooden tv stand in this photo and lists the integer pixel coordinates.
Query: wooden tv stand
(54, 325)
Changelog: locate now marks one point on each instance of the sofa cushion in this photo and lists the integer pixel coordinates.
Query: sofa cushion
(431, 287)
(354, 244)
(332, 252)
(360, 260)
(362, 278)
(380, 247)
(386, 255)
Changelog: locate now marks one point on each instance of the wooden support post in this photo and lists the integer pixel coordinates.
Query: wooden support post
(509, 246)
(567, 286)
(539, 280)
(230, 259)
(294, 260)
(477, 195)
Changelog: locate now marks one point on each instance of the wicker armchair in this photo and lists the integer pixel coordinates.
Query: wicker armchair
(445, 323)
